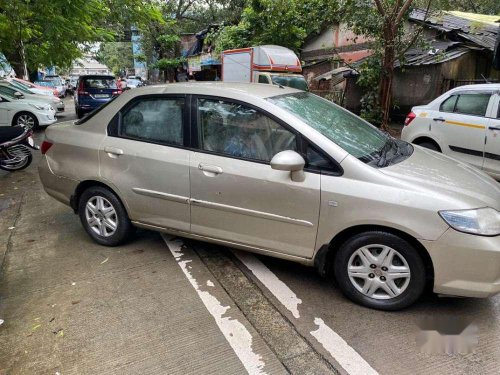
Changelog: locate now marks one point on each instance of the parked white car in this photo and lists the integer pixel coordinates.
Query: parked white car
(463, 123)
(9, 89)
(29, 113)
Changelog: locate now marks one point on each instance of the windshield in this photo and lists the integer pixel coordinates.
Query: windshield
(296, 82)
(46, 83)
(57, 80)
(353, 134)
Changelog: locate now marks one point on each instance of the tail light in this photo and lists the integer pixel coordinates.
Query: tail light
(118, 92)
(409, 118)
(81, 89)
(46, 145)
(56, 93)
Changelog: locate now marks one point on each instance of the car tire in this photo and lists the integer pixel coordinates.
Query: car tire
(391, 257)
(103, 216)
(430, 146)
(25, 119)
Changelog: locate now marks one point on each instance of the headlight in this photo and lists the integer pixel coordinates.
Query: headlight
(481, 221)
(41, 107)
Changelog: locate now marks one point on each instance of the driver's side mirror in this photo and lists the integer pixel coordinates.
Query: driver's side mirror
(290, 161)
(18, 95)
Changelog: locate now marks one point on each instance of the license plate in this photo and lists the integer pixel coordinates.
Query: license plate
(101, 96)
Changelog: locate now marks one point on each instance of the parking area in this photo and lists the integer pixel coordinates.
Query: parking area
(166, 305)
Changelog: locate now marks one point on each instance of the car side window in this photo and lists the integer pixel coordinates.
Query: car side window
(237, 130)
(155, 119)
(316, 160)
(474, 104)
(449, 104)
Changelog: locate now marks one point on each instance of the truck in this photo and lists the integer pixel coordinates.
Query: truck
(269, 64)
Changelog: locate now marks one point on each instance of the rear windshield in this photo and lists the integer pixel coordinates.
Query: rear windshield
(99, 83)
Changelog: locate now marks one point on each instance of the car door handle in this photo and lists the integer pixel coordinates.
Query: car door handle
(439, 119)
(210, 168)
(494, 128)
(113, 151)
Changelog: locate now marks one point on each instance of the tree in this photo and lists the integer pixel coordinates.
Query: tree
(55, 32)
(117, 56)
(382, 21)
(283, 22)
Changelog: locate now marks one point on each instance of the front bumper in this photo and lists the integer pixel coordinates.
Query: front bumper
(46, 117)
(60, 106)
(465, 265)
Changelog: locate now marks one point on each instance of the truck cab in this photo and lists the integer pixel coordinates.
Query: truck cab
(296, 81)
(267, 64)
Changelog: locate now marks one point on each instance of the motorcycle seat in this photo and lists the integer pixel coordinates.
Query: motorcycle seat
(8, 133)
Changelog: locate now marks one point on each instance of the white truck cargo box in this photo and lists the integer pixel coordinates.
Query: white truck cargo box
(244, 64)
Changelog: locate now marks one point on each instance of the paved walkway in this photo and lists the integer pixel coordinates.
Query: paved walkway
(73, 307)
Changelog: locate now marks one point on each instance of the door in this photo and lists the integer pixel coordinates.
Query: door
(235, 195)
(145, 160)
(461, 125)
(5, 112)
(492, 148)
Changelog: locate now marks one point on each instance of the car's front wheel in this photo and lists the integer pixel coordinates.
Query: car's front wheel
(25, 119)
(104, 217)
(380, 270)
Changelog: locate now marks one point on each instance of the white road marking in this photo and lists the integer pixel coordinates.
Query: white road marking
(277, 287)
(235, 333)
(339, 349)
(347, 357)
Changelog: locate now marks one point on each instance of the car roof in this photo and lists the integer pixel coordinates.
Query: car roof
(96, 76)
(481, 86)
(260, 90)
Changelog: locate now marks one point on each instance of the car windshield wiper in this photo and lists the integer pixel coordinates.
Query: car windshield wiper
(382, 154)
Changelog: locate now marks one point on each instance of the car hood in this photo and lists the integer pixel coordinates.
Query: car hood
(37, 101)
(441, 174)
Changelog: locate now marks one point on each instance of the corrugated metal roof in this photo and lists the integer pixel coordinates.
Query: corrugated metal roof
(438, 52)
(478, 29)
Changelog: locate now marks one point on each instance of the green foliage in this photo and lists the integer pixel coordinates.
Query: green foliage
(283, 22)
(116, 55)
(369, 77)
(475, 6)
(172, 63)
(55, 32)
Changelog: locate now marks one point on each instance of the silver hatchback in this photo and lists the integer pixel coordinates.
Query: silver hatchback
(283, 173)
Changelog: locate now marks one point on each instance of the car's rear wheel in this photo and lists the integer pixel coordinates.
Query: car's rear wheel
(104, 217)
(380, 270)
(25, 119)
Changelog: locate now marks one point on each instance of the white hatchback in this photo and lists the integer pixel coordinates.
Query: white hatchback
(25, 112)
(463, 123)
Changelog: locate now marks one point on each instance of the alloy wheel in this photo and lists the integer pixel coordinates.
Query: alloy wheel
(101, 216)
(26, 120)
(379, 272)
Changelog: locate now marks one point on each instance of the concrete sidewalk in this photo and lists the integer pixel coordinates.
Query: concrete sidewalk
(73, 307)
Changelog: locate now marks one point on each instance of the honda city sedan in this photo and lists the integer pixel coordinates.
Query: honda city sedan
(284, 173)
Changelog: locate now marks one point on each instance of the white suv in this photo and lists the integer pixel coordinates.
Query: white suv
(463, 123)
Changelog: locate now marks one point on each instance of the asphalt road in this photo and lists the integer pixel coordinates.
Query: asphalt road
(71, 306)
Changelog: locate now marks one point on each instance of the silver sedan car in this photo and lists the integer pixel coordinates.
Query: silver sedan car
(285, 173)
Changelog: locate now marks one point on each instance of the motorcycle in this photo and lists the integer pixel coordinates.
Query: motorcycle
(15, 144)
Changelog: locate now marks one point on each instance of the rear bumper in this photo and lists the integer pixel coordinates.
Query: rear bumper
(465, 265)
(59, 188)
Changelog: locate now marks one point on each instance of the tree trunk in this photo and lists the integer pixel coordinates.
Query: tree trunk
(15, 60)
(385, 91)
